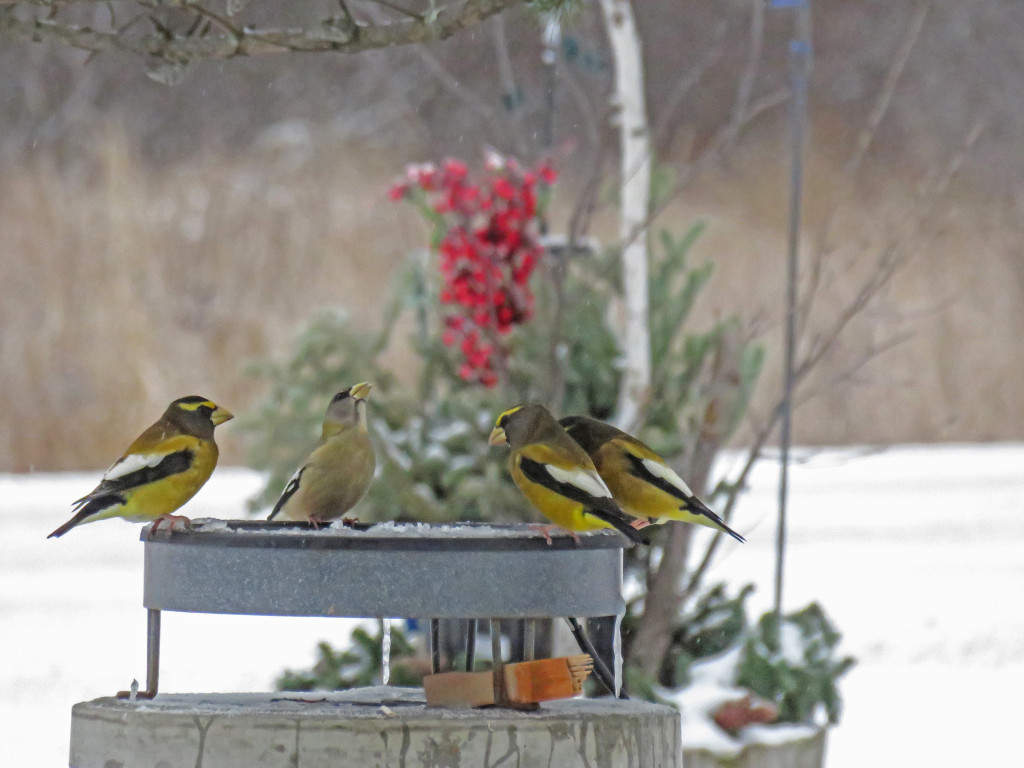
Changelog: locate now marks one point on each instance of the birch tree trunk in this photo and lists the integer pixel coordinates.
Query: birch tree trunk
(631, 112)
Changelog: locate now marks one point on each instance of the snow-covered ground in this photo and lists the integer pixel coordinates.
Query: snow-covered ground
(917, 553)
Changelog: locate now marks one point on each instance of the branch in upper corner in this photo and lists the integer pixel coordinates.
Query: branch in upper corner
(338, 35)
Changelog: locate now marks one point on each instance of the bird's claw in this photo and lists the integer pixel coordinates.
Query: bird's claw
(547, 529)
(171, 521)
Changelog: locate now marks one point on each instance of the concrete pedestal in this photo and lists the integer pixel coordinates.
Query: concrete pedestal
(367, 728)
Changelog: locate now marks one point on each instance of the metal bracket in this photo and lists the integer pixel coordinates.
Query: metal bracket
(152, 658)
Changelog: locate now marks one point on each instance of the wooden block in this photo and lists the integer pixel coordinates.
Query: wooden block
(547, 679)
(526, 683)
(459, 689)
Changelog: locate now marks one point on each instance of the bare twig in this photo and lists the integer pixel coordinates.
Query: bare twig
(398, 9)
(466, 95)
(755, 44)
(881, 106)
(885, 95)
(685, 85)
(509, 85)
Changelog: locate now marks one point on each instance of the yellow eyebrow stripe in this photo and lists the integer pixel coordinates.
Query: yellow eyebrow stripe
(194, 406)
(509, 412)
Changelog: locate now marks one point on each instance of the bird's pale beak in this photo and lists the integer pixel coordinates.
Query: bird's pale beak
(220, 415)
(497, 437)
(361, 391)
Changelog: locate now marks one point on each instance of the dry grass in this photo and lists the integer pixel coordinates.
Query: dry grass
(122, 287)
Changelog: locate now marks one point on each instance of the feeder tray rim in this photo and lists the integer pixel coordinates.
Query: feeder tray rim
(435, 537)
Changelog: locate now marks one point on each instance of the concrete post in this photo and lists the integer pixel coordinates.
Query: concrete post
(367, 728)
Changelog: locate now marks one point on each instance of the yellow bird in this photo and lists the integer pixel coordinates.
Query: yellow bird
(556, 475)
(336, 475)
(639, 479)
(160, 471)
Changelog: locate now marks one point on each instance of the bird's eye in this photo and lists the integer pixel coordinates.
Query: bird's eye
(340, 396)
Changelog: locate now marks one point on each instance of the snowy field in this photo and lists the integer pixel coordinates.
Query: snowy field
(917, 553)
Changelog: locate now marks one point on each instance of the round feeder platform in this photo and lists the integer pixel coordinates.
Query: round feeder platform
(423, 571)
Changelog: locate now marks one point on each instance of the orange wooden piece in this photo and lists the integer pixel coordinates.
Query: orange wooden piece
(526, 683)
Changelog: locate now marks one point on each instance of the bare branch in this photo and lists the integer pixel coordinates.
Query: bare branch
(755, 45)
(397, 9)
(468, 97)
(336, 35)
(685, 85)
(888, 89)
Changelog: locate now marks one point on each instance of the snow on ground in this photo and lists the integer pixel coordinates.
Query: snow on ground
(915, 553)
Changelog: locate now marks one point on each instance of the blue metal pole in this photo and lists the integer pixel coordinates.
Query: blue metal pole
(799, 71)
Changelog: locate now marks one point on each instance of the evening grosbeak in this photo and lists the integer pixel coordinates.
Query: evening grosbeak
(556, 475)
(639, 479)
(160, 471)
(337, 473)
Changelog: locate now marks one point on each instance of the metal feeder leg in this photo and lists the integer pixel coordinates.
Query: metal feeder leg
(498, 671)
(435, 646)
(470, 644)
(152, 658)
(529, 639)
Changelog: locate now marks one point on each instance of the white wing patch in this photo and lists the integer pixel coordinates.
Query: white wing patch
(665, 472)
(293, 483)
(586, 480)
(132, 463)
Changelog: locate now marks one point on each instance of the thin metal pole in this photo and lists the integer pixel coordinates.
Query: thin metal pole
(152, 659)
(435, 646)
(800, 64)
(604, 675)
(498, 669)
(470, 645)
(152, 652)
(529, 639)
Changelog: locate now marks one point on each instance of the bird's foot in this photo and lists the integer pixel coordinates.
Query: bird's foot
(640, 523)
(315, 523)
(171, 521)
(547, 529)
(350, 521)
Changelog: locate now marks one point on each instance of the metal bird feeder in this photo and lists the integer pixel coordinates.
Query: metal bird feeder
(424, 571)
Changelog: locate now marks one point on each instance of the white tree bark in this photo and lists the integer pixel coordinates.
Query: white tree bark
(631, 112)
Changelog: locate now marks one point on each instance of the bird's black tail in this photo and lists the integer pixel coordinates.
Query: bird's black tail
(731, 532)
(699, 507)
(84, 513)
(86, 507)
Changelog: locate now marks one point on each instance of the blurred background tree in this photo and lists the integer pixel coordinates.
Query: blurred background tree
(118, 186)
(275, 166)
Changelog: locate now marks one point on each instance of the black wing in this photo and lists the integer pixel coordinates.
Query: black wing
(600, 507)
(689, 503)
(114, 491)
(289, 491)
(171, 464)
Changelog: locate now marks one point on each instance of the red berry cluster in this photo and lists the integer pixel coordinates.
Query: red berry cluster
(485, 235)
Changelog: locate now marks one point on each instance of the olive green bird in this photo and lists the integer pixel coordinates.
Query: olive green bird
(338, 472)
(164, 468)
(556, 476)
(639, 479)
